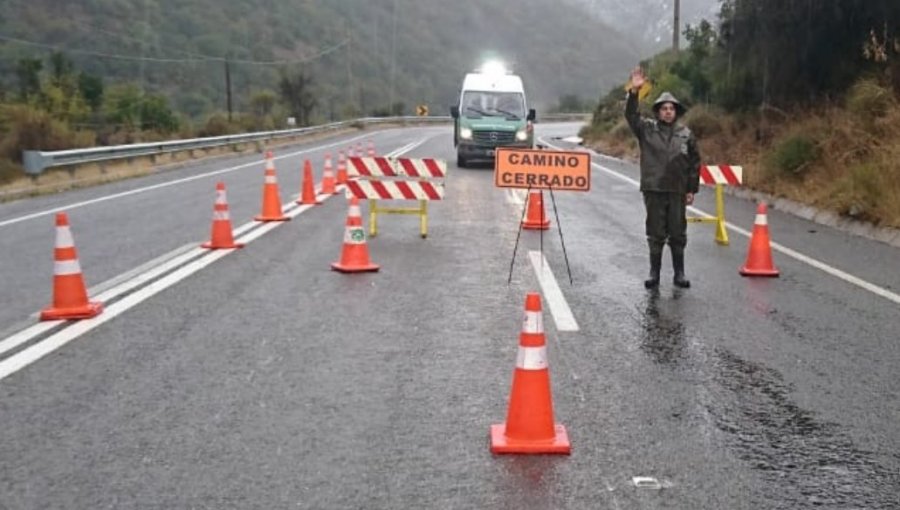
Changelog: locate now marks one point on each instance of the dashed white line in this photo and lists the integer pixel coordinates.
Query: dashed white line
(556, 302)
(33, 353)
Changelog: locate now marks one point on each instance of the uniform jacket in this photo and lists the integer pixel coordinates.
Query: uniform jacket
(670, 160)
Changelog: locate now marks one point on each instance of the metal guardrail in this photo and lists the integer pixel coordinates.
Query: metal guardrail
(35, 162)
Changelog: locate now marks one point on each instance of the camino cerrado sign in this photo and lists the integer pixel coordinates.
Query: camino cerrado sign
(542, 169)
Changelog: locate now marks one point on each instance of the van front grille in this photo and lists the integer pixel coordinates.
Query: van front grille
(493, 138)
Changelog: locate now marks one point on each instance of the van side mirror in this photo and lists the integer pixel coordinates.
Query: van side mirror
(532, 116)
(454, 111)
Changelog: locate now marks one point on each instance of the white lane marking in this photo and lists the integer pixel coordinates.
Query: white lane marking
(30, 355)
(166, 184)
(556, 302)
(515, 196)
(833, 271)
(26, 334)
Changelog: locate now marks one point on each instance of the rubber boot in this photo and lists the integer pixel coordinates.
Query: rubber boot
(678, 267)
(655, 265)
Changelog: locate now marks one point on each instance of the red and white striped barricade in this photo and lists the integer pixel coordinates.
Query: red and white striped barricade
(719, 176)
(382, 178)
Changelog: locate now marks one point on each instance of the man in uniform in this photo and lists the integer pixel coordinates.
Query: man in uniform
(670, 176)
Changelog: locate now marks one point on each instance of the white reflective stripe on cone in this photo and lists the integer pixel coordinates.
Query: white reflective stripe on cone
(220, 198)
(64, 238)
(532, 358)
(270, 179)
(761, 220)
(533, 323)
(221, 216)
(354, 212)
(354, 235)
(66, 267)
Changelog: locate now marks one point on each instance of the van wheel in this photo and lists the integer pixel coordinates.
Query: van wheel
(460, 160)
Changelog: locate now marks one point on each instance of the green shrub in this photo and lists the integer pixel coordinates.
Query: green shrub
(9, 171)
(861, 191)
(868, 100)
(793, 156)
(28, 128)
(703, 122)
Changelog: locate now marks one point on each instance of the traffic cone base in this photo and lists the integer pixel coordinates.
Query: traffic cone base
(272, 218)
(500, 443)
(212, 246)
(355, 268)
(747, 271)
(92, 309)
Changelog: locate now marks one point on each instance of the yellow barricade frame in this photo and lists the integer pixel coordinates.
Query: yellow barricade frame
(718, 219)
(421, 212)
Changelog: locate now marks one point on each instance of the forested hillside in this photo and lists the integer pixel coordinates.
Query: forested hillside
(805, 95)
(361, 55)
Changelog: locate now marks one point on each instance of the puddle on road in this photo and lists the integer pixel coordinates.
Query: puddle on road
(810, 464)
(814, 464)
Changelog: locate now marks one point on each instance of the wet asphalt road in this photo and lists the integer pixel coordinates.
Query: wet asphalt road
(267, 381)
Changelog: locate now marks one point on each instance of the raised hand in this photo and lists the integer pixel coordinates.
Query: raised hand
(637, 78)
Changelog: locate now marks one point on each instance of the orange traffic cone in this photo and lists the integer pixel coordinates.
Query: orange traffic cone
(271, 206)
(371, 151)
(759, 257)
(70, 300)
(530, 427)
(535, 218)
(355, 253)
(328, 184)
(308, 193)
(222, 237)
(341, 169)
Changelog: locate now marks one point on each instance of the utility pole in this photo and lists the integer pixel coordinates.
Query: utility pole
(393, 56)
(228, 87)
(675, 26)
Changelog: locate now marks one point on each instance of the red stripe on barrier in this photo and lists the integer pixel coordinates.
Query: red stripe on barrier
(356, 190)
(385, 166)
(705, 175)
(358, 165)
(729, 175)
(380, 189)
(409, 167)
(430, 191)
(433, 167)
(406, 191)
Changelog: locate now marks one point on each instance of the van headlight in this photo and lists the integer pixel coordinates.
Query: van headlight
(521, 135)
(465, 133)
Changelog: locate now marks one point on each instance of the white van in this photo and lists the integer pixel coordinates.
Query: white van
(492, 112)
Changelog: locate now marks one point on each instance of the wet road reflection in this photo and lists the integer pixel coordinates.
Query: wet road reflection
(662, 329)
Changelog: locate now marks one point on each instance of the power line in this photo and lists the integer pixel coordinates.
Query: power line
(66, 49)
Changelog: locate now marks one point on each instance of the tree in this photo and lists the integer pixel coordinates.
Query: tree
(91, 88)
(263, 102)
(296, 92)
(28, 72)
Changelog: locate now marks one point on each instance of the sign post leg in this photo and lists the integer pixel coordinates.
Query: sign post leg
(373, 218)
(423, 218)
(721, 232)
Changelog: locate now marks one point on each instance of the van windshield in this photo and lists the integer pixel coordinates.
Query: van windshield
(493, 104)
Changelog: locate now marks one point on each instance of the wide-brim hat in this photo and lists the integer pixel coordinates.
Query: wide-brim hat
(667, 97)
